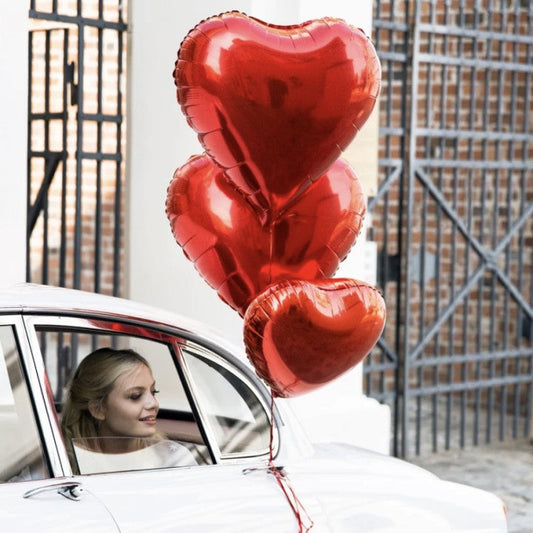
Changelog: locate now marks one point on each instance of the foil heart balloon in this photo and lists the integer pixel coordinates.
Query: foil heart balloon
(275, 106)
(300, 335)
(240, 256)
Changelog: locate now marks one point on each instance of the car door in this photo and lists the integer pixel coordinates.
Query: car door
(34, 495)
(206, 404)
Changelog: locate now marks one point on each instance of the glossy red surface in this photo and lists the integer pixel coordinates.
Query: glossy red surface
(238, 254)
(275, 106)
(300, 335)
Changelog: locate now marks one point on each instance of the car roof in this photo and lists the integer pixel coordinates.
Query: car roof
(46, 299)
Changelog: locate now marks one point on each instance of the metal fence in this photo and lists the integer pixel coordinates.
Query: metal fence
(75, 144)
(455, 204)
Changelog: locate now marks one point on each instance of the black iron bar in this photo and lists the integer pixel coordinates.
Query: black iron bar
(98, 210)
(117, 238)
(45, 262)
(78, 20)
(64, 143)
(29, 148)
(78, 218)
(470, 226)
(482, 384)
(525, 147)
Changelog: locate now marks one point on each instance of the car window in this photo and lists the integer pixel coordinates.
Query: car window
(238, 418)
(21, 452)
(179, 439)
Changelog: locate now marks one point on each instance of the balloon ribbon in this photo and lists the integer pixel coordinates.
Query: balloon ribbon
(277, 471)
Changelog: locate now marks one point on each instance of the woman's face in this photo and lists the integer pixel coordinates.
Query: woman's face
(131, 407)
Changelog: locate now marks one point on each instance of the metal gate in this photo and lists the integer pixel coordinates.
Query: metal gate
(454, 219)
(75, 144)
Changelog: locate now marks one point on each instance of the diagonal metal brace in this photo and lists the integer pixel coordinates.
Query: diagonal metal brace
(52, 162)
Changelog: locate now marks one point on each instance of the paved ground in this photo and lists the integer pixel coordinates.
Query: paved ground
(505, 469)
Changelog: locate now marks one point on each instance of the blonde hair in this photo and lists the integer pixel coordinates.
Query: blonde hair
(92, 382)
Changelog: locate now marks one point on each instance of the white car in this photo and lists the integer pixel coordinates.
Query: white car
(213, 404)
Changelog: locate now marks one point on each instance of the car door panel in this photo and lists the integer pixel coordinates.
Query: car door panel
(29, 497)
(204, 498)
(200, 498)
(48, 511)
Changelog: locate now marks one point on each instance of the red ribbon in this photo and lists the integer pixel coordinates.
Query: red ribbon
(283, 481)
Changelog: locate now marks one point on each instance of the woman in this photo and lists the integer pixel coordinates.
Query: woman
(109, 417)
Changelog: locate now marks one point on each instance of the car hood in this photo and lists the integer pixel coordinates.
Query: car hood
(366, 492)
(365, 462)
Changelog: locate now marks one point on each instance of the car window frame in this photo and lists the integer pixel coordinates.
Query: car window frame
(176, 340)
(109, 326)
(206, 353)
(39, 393)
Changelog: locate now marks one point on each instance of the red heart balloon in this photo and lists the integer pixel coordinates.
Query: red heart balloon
(300, 335)
(238, 255)
(275, 106)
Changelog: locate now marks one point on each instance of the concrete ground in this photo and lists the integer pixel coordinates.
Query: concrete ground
(506, 469)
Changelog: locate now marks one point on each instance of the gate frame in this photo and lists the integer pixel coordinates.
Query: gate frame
(404, 357)
(78, 24)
